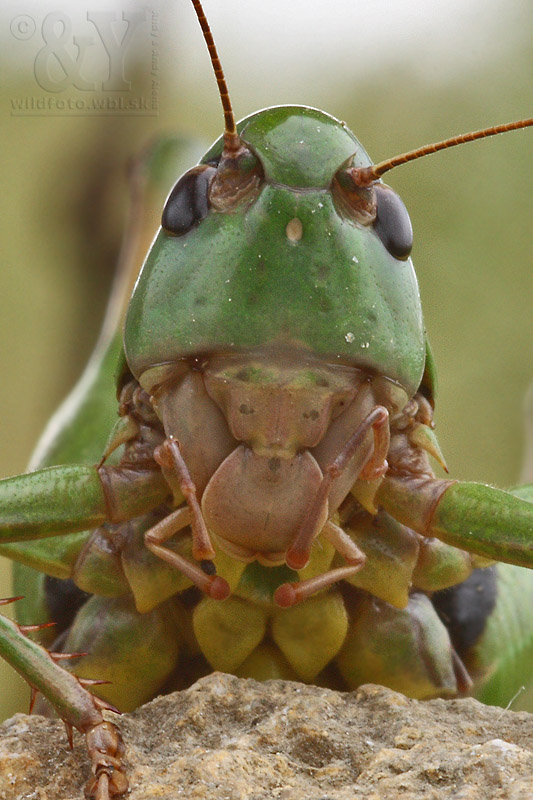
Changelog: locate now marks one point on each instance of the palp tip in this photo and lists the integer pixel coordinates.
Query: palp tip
(285, 595)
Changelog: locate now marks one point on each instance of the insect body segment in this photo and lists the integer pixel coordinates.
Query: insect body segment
(274, 439)
(269, 451)
(275, 398)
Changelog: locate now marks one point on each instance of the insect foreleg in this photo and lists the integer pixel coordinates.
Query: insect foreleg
(65, 499)
(486, 521)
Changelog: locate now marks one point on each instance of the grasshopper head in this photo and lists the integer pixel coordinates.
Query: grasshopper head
(275, 245)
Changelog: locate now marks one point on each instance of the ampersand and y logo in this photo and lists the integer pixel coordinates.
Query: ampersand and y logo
(57, 35)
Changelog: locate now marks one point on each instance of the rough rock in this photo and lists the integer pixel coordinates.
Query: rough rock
(231, 739)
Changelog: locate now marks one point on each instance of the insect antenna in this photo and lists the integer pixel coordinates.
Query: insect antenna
(364, 176)
(231, 137)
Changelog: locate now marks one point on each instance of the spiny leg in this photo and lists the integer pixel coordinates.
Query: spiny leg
(73, 703)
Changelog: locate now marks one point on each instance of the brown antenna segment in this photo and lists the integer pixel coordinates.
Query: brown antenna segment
(365, 175)
(230, 133)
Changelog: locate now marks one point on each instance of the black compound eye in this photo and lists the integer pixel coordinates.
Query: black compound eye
(188, 202)
(392, 223)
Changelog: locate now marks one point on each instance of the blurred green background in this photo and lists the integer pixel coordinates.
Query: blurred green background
(401, 74)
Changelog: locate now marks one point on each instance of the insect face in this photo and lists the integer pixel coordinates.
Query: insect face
(300, 264)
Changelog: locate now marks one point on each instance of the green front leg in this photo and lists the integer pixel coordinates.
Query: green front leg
(73, 703)
(488, 522)
(66, 499)
(493, 524)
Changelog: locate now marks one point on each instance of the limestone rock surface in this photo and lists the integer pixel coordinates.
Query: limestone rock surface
(231, 739)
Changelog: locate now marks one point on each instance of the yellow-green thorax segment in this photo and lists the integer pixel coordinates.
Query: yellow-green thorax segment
(244, 279)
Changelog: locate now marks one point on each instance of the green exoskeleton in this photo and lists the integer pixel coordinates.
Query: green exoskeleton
(272, 451)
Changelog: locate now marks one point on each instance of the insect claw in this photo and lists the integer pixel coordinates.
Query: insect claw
(464, 681)
(105, 747)
(33, 698)
(106, 785)
(70, 737)
(102, 789)
(103, 704)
